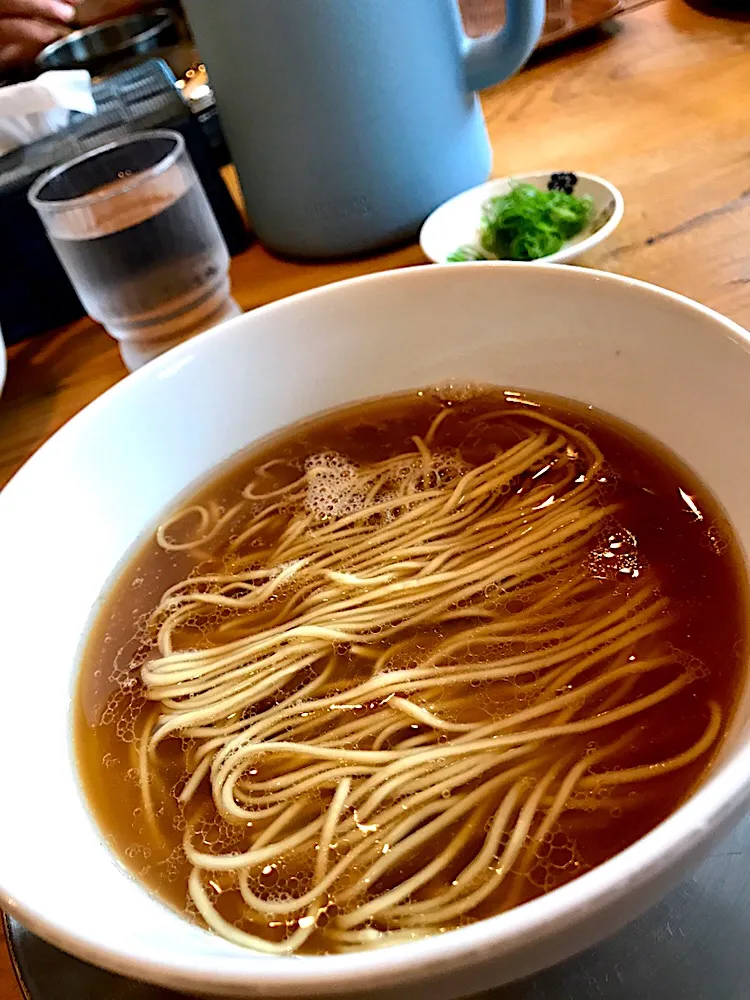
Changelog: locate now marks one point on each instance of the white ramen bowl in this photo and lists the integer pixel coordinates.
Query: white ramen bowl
(674, 368)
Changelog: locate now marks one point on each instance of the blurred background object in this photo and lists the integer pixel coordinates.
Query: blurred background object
(103, 45)
(35, 293)
(156, 29)
(738, 10)
(26, 26)
(564, 17)
(94, 11)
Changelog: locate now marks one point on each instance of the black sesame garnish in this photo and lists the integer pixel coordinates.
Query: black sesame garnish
(562, 182)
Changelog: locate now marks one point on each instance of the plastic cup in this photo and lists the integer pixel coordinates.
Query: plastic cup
(136, 234)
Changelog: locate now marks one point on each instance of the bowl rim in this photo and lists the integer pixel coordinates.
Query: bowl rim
(721, 799)
(161, 17)
(3, 362)
(570, 250)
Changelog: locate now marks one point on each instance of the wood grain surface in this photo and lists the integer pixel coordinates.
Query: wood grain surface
(658, 105)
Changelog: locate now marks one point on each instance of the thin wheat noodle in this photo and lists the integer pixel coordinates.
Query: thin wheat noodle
(395, 759)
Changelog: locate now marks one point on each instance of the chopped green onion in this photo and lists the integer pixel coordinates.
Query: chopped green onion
(466, 253)
(527, 224)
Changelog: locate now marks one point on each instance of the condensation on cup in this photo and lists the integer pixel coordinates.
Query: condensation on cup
(135, 232)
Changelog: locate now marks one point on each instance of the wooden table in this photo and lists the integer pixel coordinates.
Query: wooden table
(659, 106)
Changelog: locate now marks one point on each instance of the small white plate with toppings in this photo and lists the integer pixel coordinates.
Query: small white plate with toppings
(456, 225)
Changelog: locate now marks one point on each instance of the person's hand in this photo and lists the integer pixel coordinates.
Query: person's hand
(26, 26)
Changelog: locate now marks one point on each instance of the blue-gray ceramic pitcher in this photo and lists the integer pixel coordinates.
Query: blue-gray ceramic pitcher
(351, 120)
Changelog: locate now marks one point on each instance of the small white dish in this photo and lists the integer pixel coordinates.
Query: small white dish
(456, 222)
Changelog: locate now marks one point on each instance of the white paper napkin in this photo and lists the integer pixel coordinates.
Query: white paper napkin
(29, 111)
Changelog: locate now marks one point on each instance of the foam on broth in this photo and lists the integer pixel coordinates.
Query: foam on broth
(668, 530)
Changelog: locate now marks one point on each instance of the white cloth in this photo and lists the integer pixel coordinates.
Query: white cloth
(29, 111)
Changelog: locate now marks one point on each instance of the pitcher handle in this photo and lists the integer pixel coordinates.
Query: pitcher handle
(493, 58)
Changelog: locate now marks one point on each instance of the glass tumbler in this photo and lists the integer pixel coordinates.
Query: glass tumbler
(135, 232)
(481, 17)
(559, 16)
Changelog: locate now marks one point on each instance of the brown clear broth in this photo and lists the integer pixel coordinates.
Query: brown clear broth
(696, 561)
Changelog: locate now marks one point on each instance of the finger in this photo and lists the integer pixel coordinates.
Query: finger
(30, 36)
(13, 55)
(51, 10)
(16, 55)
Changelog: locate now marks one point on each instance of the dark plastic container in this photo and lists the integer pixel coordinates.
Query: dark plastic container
(737, 10)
